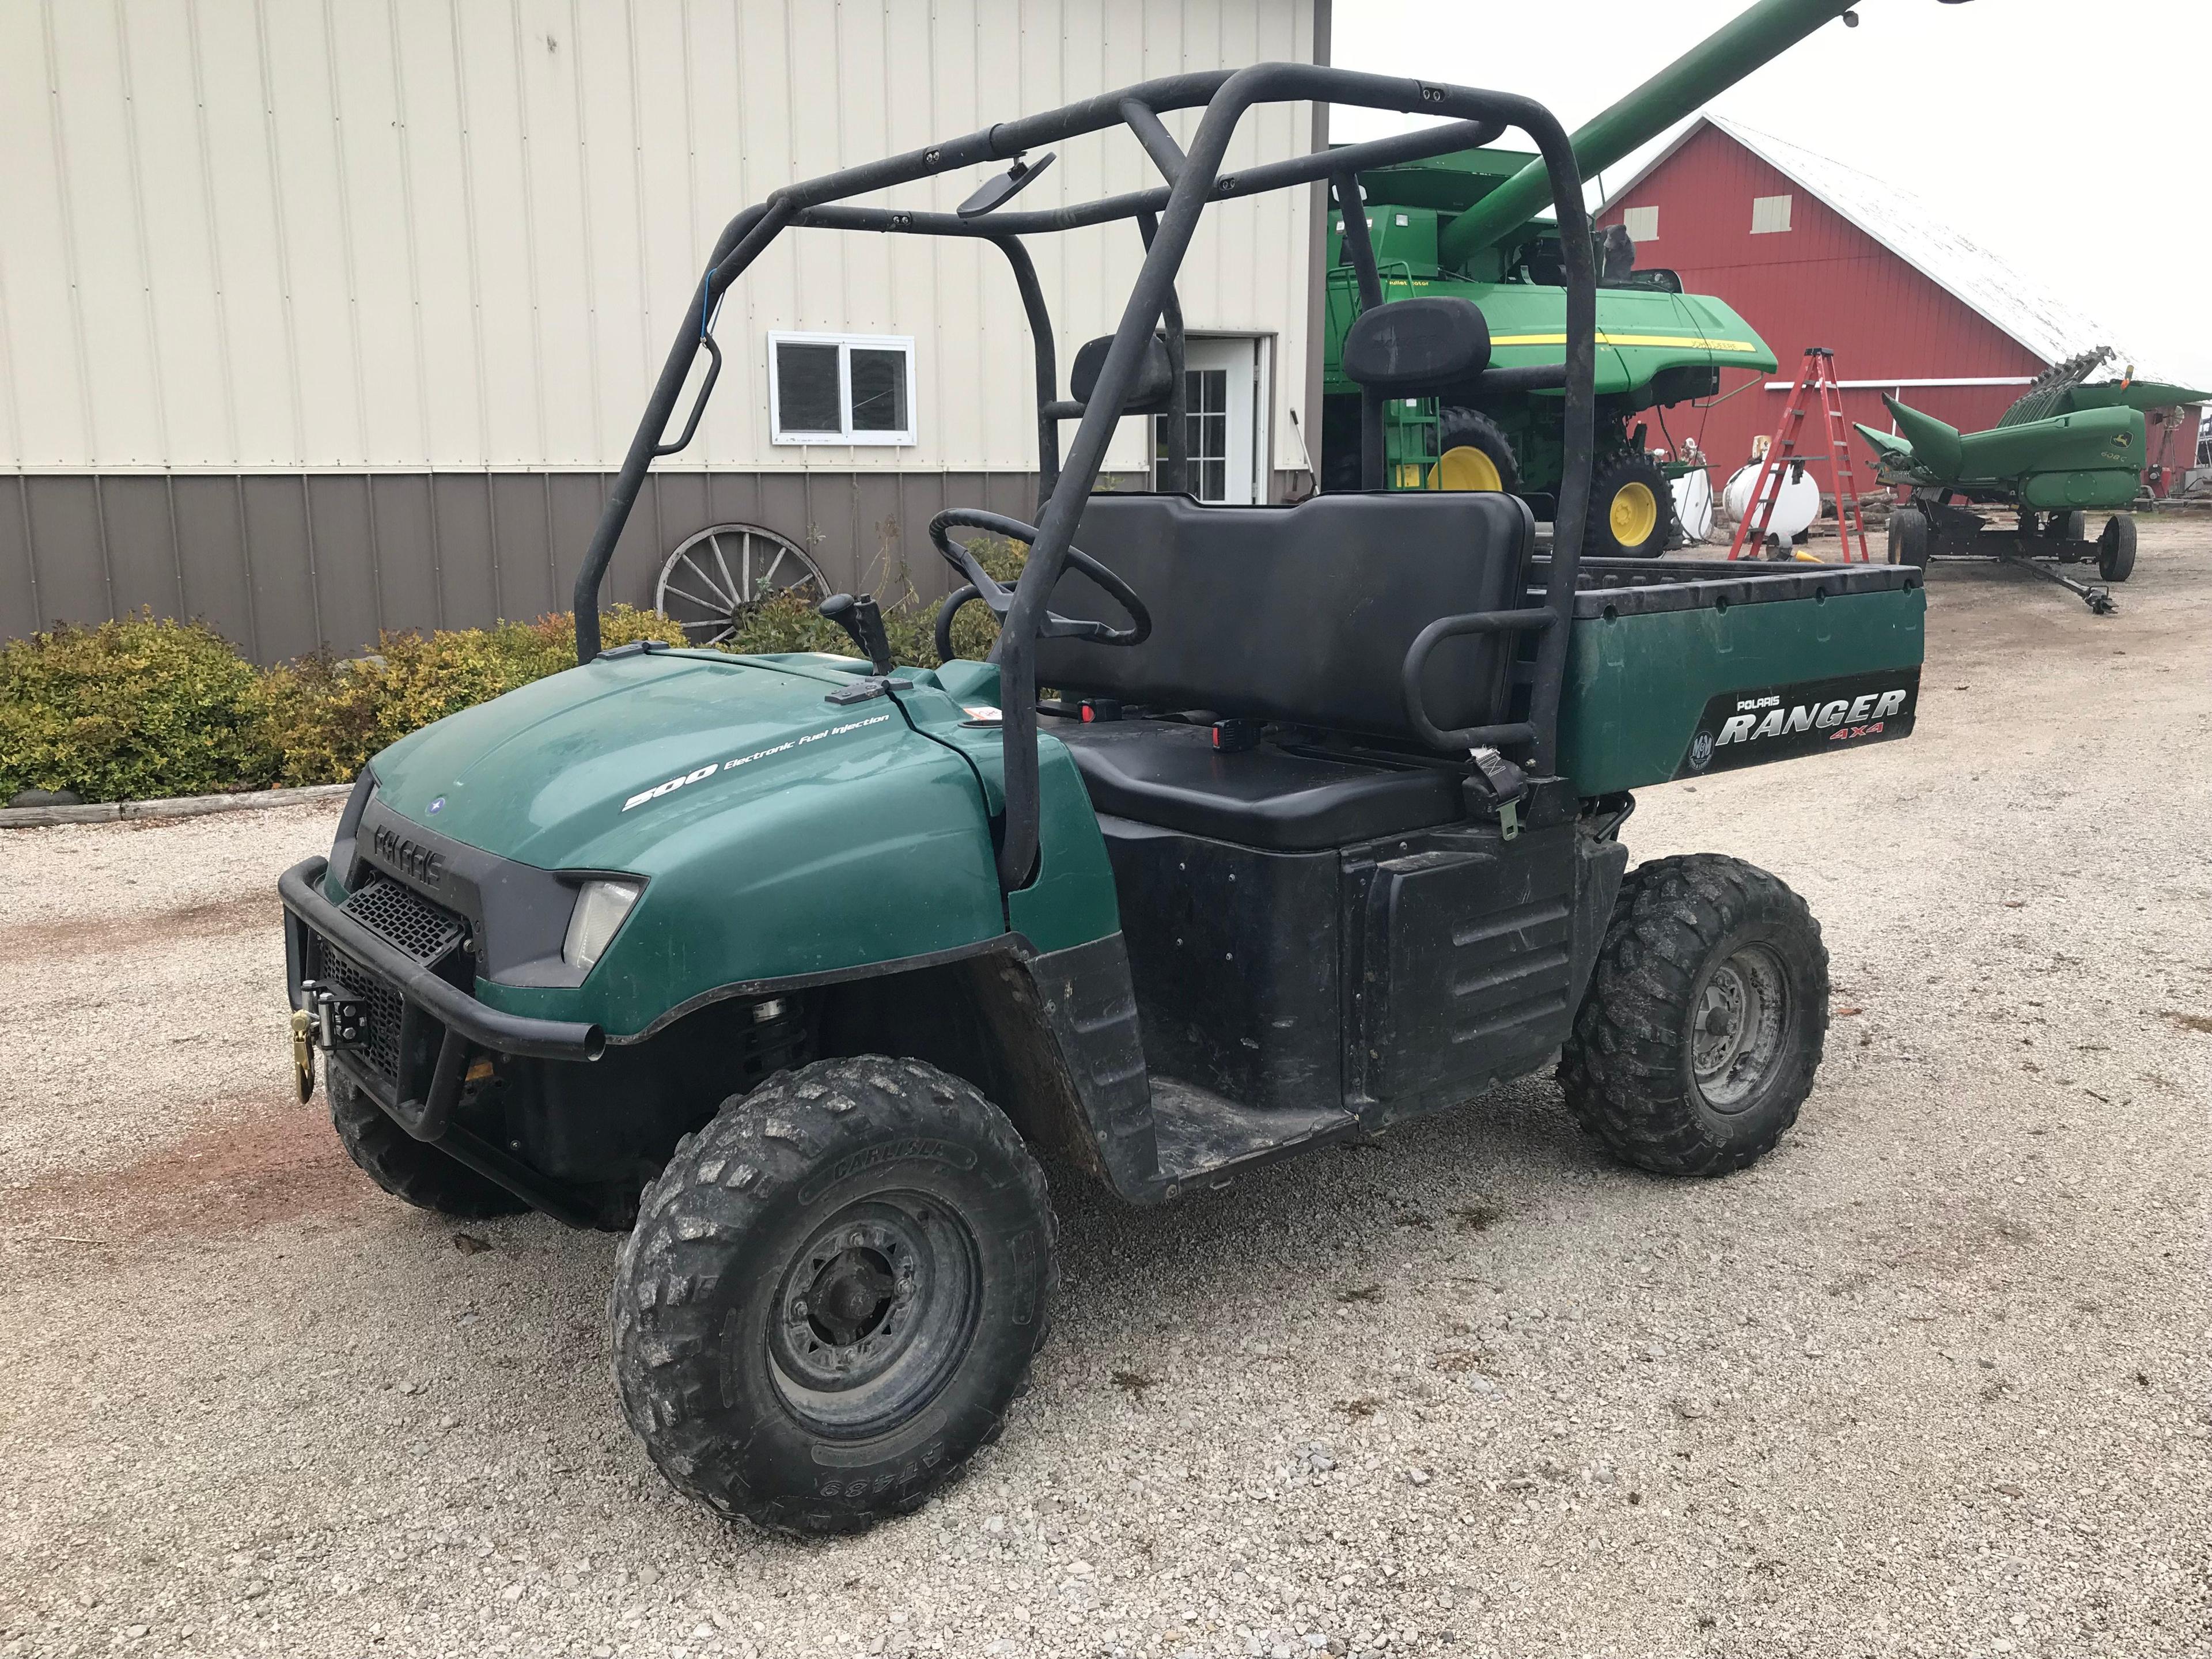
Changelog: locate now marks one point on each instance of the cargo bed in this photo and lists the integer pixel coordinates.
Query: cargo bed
(1677, 668)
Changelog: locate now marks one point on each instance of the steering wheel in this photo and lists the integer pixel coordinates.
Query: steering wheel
(979, 584)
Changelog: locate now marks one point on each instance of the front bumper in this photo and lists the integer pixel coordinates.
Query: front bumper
(440, 1029)
(307, 911)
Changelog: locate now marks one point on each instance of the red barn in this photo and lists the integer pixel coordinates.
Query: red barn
(1815, 253)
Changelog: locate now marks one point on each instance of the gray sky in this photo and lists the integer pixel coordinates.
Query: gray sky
(2072, 138)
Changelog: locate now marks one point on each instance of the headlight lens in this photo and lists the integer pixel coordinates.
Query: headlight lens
(601, 907)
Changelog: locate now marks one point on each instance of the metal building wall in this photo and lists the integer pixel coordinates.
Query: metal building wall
(316, 320)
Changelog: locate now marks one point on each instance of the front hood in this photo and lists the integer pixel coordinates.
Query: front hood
(589, 768)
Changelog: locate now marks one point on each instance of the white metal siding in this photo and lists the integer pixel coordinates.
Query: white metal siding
(238, 235)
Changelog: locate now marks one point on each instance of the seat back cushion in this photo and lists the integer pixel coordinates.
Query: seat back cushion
(1301, 614)
(1155, 384)
(1420, 345)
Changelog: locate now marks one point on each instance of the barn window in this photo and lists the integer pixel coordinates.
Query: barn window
(1642, 223)
(840, 388)
(1769, 214)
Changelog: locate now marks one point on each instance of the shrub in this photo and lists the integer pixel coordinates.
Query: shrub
(784, 620)
(130, 709)
(141, 708)
(326, 718)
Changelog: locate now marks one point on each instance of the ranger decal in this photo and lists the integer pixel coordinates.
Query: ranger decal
(711, 768)
(1766, 723)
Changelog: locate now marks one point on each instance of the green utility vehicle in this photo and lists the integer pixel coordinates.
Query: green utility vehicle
(795, 966)
(1461, 225)
(2063, 450)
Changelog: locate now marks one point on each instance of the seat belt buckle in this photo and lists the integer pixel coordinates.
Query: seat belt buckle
(1506, 785)
(1234, 736)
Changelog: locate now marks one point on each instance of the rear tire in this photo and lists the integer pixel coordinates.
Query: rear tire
(1632, 510)
(407, 1168)
(1909, 537)
(2116, 548)
(1698, 1040)
(833, 1293)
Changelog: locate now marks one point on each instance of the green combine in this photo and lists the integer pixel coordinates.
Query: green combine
(1462, 225)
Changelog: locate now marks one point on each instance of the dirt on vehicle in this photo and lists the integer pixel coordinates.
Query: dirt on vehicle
(1927, 1380)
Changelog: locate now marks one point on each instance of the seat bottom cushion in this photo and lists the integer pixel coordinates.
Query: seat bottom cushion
(1169, 774)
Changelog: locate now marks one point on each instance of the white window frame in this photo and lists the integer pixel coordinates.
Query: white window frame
(845, 344)
(1642, 223)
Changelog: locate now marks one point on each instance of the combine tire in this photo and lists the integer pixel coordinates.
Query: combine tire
(2116, 548)
(1474, 453)
(833, 1293)
(408, 1168)
(1908, 537)
(1632, 510)
(1698, 1039)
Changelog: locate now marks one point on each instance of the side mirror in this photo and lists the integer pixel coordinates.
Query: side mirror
(996, 192)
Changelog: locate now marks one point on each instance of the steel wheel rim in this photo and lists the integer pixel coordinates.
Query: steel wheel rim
(1740, 1018)
(715, 578)
(1633, 514)
(1465, 467)
(874, 1314)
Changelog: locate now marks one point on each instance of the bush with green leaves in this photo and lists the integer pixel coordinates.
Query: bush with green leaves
(141, 707)
(130, 710)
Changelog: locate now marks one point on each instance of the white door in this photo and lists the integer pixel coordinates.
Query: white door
(1227, 392)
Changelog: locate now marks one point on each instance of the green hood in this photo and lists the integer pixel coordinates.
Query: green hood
(781, 833)
(552, 774)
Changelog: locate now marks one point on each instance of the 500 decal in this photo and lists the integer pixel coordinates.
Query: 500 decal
(700, 774)
(1745, 727)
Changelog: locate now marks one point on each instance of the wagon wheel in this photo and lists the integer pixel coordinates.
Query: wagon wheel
(715, 578)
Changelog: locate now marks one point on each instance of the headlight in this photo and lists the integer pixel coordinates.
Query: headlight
(601, 907)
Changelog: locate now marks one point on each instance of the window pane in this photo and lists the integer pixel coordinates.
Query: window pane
(806, 388)
(878, 390)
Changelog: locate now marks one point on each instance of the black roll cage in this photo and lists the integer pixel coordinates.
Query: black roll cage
(1167, 217)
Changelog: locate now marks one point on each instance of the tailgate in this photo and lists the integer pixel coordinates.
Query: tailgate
(1676, 669)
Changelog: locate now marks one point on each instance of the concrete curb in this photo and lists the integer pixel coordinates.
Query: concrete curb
(178, 806)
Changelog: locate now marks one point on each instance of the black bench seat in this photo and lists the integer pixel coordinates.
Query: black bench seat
(1284, 801)
(1293, 617)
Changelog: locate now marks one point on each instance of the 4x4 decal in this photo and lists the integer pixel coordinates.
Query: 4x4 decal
(1772, 722)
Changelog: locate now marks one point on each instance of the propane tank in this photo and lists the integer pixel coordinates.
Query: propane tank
(1693, 504)
(1795, 508)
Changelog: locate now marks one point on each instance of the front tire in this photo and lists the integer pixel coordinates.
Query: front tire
(1473, 453)
(1697, 1042)
(407, 1168)
(1632, 510)
(833, 1293)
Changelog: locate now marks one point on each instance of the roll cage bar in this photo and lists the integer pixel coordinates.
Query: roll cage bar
(1167, 216)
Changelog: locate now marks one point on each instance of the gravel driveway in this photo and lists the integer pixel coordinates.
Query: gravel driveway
(1930, 1380)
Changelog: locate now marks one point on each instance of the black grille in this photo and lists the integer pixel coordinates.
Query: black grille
(401, 917)
(350, 979)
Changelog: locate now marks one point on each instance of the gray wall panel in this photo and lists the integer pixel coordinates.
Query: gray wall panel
(522, 545)
(20, 604)
(346, 562)
(140, 550)
(468, 567)
(407, 552)
(211, 548)
(577, 498)
(286, 611)
(66, 550)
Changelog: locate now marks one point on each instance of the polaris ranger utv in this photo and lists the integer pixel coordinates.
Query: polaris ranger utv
(789, 965)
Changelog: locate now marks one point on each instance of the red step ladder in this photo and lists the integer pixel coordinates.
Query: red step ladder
(1818, 375)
